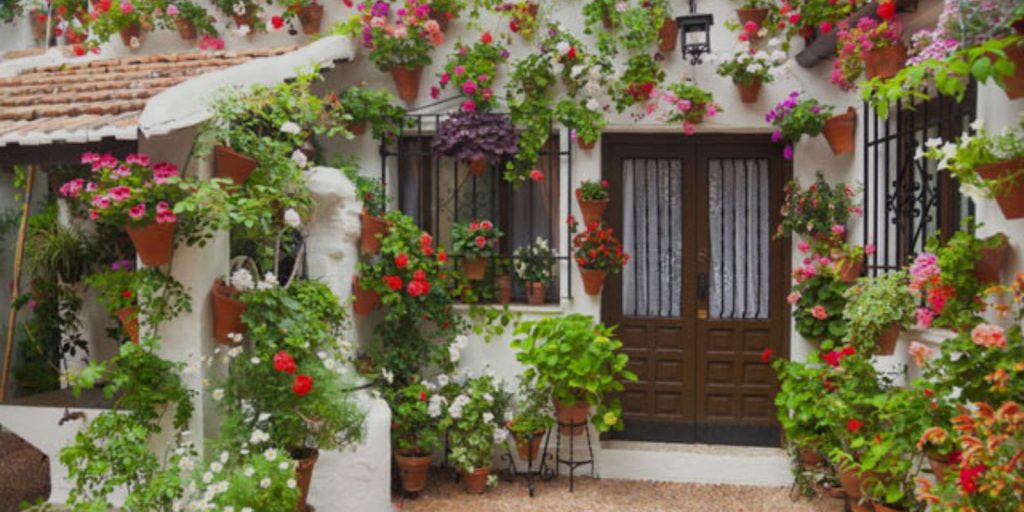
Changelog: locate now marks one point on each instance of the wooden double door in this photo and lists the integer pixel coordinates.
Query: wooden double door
(704, 293)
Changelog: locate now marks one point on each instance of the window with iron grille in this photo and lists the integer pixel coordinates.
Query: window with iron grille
(438, 192)
(907, 200)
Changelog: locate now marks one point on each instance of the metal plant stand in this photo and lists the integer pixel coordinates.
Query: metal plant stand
(571, 462)
(544, 470)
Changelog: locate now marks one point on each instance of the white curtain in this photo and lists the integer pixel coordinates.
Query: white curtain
(652, 234)
(740, 236)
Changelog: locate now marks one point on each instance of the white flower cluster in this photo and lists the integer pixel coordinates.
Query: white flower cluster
(241, 280)
(456, 348)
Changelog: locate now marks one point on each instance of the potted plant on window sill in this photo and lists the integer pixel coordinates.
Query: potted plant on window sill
(593, 199)
(749, 70)
(476, 242)
(597, 252)
(877, 310)
(414, 434)
(477, 138)
(581, 362)
(534, 266)
(476, 408)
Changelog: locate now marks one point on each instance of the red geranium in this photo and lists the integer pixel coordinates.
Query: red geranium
(401, 261)
(393, 282)
(969, 478)
(854, 425)
(886, 10)
(766, 355)
(284, 362)
(418, 288)
(303, 384)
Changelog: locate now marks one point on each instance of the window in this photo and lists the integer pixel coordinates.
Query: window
(438, 192)
(907, 201)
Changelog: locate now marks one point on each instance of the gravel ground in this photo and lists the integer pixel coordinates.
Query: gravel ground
(443, 495)
(24, 473)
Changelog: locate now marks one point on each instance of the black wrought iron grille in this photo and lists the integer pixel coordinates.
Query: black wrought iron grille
(437, 192)
(907, 200)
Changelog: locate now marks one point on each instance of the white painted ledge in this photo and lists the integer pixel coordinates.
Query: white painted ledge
(694, 463)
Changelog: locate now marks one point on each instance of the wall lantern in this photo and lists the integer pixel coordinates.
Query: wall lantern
(695, 32)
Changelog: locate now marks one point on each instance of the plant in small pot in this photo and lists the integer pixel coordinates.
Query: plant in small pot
(987, 166)
(190, 20)
(245, 14)
(819, 211)
(415, 432)
(228, 307)
(472, 70)
(872, 48)
(944, 278)
(373, 108)
(476, 242)
(686, 104)
(503, 280)
(597, 252)
(796, 116)
(877, 310)
(848, 261)
(585, 120)
(524, 17)
(637, 83)
(581, 362)
(126, 19)
(532, 418)
(374, 196)
(755, 11)
(804, 423)
(475, 412)
(593, 199)
(818, 301)
(139, 298)
(310, 14)
(444, 11)
(534, 267)
(750, 69)
(477, 138)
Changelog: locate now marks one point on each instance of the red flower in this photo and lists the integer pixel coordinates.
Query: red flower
(848, 351)
(536, 175)
(423, 396)
(480, 242)
(417, 288)
(426, 239)
(79, 50)
(604, 183)
(441, 256)
(283, 362)
(928, 392)
(419, 275)
(571, 54)
(794, 18)
(826, 27)
(766, 355)
(854, 425)
(303, 384)
(486, 38)
(886, 10)
(513, 26)
(401, 261)
(127, 294)
(393, 282)
(570, 220)
(277, 22)
(969, 477)
(832, 358)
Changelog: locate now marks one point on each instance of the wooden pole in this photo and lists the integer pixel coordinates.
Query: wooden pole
(19, 254)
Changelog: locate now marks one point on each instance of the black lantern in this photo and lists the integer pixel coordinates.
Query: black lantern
(695, 32)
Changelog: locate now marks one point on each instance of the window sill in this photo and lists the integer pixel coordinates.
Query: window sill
(525, 309)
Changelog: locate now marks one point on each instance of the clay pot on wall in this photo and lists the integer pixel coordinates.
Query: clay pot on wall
(1011, 197)
(475, 268)
(407, 80)
(593, 280)
(369, 242)
(227, 312)
(840, 132)
(585, 146)
(755, 15)
(133, 30)
(153, 243)
(310, 17)
(850, 269)
(990, 263)
(129, 318)
(592, 210)
(186, 30)
(228, 163)
(357, 128)
(887, 342)
(477, 165)
(367, 301)
(749, 93)
(886, 62)
(669, 35)
(1014, 84)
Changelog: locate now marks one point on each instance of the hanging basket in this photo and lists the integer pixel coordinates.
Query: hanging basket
(1011, 196)
(407, 81)
(886, 62)
(230, 164)
(369, 241)
(475, 268)
(153, 243)
(756, 15)
(367, 301)
(840, 132)
(227, 312)
(186, 30)
(887, 342)
(129, 318)
(412, 469)
(592, 210)
(310, 17)
(669, 35)
(304, 476)
(593, 280)
(749, 93)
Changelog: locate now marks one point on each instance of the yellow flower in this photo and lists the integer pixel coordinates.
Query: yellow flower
(610, 418)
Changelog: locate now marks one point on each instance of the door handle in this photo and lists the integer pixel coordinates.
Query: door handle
(702, 286)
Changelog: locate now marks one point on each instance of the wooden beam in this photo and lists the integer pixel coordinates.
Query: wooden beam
(19, 254)
(62, 154)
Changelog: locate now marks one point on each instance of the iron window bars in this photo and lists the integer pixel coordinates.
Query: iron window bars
(423, 196)
(907, 200)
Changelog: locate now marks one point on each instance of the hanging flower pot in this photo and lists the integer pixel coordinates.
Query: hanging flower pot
(367, 301)
(369, 242)
(1014, 84)
(132, 30)
(1011, 196)
(529, 446)
(310, 17)
(887, 342)
(592, 210)
(443, 19)
(477, 165)
(755, 15)
(569, 415)
(593, 280)
(503, 284)
(244, 20)
(886, 62)
(475, 268)
(306, 459)
(850, 269)
(669, 35)
(228, 163)
(357, 128)
(129, 318)
(749, 92)
(991, 261)
(407, 80)
(227, 312)
(840, 132)
(186, 29)
(584, 145)
(939, 464)
(851, 481)
(536, 294)
(412, 469)
(476, 481)
(154, 243)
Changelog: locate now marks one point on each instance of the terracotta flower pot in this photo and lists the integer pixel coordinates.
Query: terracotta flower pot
(857, 506)
(940, 466)
(606, 21)
(413, 470)
(1011, 196)
(593, 280)
(186, 30)
(585, 146)
(529, 447)
(991, 262)
(840, 132)
(154, 243)
(475, 268)
(369, 242)
(851, 481)
(304, 475)
(357, 128)
(1014, 84)
(669, 35)
(38, 26)
(536, 294)
(810, 457)
(878, 507)
(442, 19)
(227, 312)
(756, 15)
(592, 210)
(407, 80)
(310, 16)
(571, 415)
(887, 342)
(228, 163)
(503, 284)
(886, 62)
(129, 318)
(477, 165)
(749, 92)
(130, 31)
(244, 19)
(850, 269)
(367, 301)
(476, 481)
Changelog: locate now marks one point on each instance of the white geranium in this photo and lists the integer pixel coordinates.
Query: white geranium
(270, 454)
(300, 158)
(241, 280)
(500, 435)
(443, 380)
(268, 282)
(388, 376)
(593, 105)
(218, 394)
(292, 218)
(488, 417)
(291, 128)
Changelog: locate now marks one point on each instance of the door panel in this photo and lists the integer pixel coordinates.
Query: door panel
(700, 300)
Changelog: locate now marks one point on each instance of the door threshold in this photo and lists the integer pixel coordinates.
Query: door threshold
(695, 448)
(694, 463)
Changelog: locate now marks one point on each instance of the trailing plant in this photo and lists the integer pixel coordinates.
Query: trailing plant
(596, 248)
(795, 117)
(472, 70)
(531, 108)
(377, 108)
(585, 120)
(854, 44)
(534, 263)
(475, 421)
(157, 296)
(476, 239)
(524, 17)
(820, 210)
(579, 359)
(635, 24)
(590, 190)
(467, 135)
(637, 83)
(975, 148)
(818, 301)
(399, 37)
(874, 305)
(686, 104)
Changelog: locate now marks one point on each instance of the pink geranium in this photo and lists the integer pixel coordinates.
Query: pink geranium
(819, 312)
(920, 352)
(137, 211)
(989, 335)
(925, 317)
